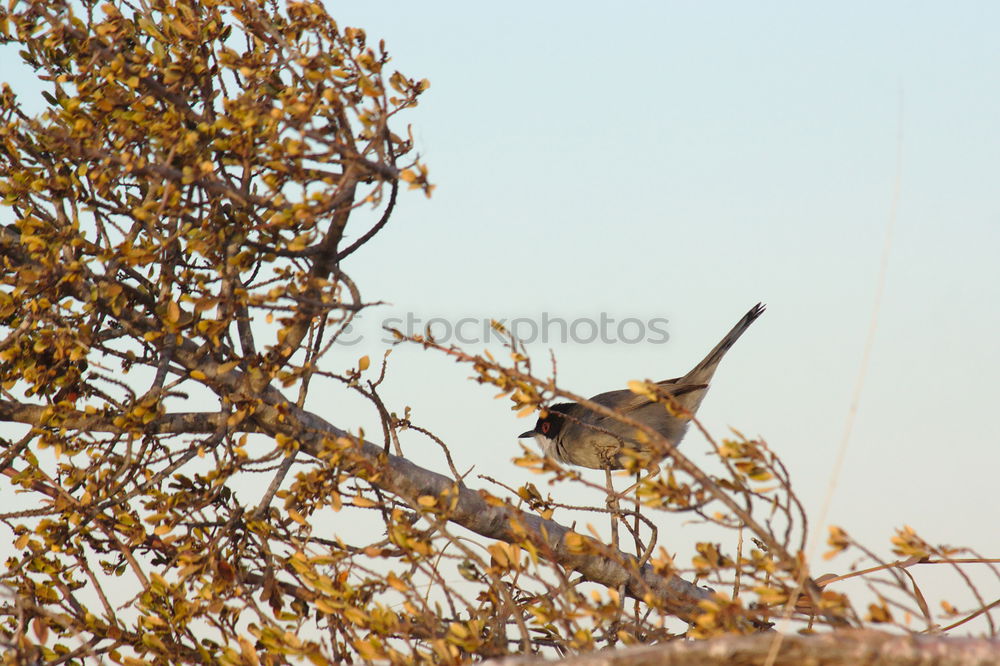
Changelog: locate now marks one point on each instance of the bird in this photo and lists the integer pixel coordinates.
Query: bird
(573, 433)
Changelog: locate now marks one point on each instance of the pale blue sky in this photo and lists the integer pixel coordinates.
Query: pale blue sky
(686, 160)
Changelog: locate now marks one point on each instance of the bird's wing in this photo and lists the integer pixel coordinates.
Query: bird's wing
(666, 387)
(629, 402)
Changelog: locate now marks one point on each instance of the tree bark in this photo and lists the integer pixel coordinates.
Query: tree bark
(851, 648)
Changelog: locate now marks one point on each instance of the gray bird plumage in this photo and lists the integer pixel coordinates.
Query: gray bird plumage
(574, 434)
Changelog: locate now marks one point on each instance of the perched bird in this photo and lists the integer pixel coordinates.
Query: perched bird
(572, 433)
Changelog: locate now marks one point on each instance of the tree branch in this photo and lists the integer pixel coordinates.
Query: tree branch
(404, 479)
(838, 647)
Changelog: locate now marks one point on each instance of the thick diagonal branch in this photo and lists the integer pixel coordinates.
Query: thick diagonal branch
(408, 481)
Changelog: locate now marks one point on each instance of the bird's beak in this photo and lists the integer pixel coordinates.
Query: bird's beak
(524, 435)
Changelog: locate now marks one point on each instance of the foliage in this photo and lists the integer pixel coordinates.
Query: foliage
(173, 281)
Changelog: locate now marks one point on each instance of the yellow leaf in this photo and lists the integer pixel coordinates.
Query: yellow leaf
(575, 542)
(180, 27)
(396, 582)
(249, 651)
(363, 363)
(41, 629)
(500, 555)
(458, 630)
(226, 367)
(355, 615)
(198, 374)
(324, 606)
(641, 388)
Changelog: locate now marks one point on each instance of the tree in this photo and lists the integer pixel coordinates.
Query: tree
(174, 280)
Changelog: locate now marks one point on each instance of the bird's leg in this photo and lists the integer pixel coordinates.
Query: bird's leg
(613, 497)
(638, 542)
(635, 532)
(613, 506)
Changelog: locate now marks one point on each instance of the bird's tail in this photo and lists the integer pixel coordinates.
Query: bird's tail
(704, 370)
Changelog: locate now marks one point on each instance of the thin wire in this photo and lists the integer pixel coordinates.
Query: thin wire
(852, 412)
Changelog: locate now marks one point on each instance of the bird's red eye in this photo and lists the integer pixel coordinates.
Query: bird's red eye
(545, 427)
